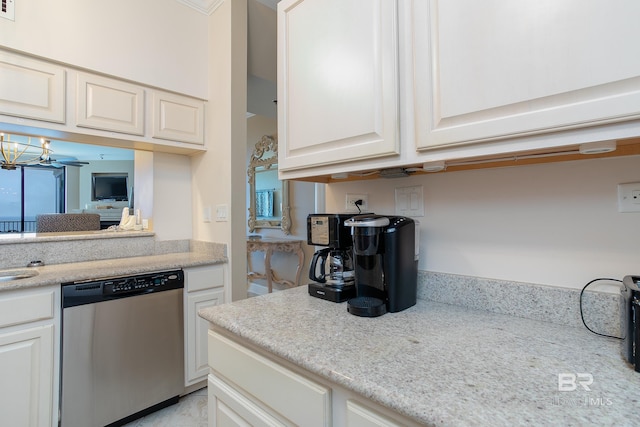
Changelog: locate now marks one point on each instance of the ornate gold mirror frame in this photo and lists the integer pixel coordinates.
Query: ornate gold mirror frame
(267, 146)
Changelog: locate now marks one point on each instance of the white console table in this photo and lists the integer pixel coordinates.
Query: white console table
(269, 246)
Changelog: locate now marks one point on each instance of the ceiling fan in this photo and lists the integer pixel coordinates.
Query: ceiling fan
(47, 160)
(61, 162)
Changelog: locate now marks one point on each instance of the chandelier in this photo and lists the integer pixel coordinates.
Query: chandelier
(22, 153)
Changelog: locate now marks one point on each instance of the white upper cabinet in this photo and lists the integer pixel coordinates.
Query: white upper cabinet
(31, 88)
(338, 95)
(109, 104)
(178, 118)
(58, 101)
(499, 69)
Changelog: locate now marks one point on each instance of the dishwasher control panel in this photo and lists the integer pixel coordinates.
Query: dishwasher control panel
(133, 284)
(92, 291)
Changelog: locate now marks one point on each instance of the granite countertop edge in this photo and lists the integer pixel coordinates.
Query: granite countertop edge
(56, 274)
(441, 364)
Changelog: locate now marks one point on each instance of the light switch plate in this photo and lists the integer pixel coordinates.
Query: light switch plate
(221, 212)
(410, 201)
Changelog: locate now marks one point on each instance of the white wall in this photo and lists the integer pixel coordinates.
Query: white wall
(172, 198)
(553, 224)
(219, 174)
(162, 43)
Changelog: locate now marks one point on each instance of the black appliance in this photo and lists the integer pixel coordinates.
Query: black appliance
(385, 264)
(630, 320)
(331, 268)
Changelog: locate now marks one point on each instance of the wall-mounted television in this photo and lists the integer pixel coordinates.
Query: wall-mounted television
(109, 186)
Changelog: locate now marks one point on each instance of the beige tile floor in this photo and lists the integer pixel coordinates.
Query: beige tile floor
(190, 411)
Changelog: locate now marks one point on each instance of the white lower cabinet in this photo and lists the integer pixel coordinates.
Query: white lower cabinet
(29, 357)
(249, 387)
(228, 407)
(204, 287)
(272, 389)
(361, 416)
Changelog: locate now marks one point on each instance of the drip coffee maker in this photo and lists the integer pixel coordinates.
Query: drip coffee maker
(331, 268)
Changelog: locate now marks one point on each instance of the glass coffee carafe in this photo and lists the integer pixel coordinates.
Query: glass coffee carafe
(333, 267)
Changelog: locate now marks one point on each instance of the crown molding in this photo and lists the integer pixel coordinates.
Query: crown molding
(204, 6)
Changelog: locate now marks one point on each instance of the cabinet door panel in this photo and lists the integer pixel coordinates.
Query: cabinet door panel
(229, 408)
(205, 277)
(337, 81)
(109, 105)
(297, 398)
(26, 369)
(196, 338)
(178, 118)
(25, 307)
(491, 70)
(31, 88)
(361, 416)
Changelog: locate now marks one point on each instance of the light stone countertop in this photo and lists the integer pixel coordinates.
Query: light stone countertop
(89, 270)
(443, 364)
(18, 238)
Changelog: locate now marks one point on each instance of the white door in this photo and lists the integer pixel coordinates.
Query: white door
(31, 89)
(26, 369)
(499, 68)
(197, 330)
(337, 81)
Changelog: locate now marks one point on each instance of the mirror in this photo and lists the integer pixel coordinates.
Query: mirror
(268, 196)
(48, 188)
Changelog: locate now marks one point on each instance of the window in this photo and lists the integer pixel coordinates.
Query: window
(27, 192)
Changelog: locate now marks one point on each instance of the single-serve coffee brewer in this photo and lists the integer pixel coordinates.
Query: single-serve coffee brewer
(630, 320)
(385, 264)
(331, 268)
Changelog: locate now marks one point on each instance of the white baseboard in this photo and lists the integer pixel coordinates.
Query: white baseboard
(257, 289)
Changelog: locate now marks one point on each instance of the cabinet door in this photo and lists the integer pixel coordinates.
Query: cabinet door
(31, 89)
(361, 416)
(497, 69)
(26, 369)
(337, 81)
(109, 104)
(229, 408)
(178, 118)
(196, 337)
(294, 397)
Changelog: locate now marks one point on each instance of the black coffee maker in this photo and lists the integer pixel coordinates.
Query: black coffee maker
(331, 268)
(630, 320)
(385, 264)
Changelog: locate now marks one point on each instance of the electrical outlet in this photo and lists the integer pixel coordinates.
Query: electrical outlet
(629, 197)
(8, 9)
(350, 202)
(206, 214)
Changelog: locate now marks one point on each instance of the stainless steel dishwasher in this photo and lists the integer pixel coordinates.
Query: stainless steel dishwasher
(122, 348)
